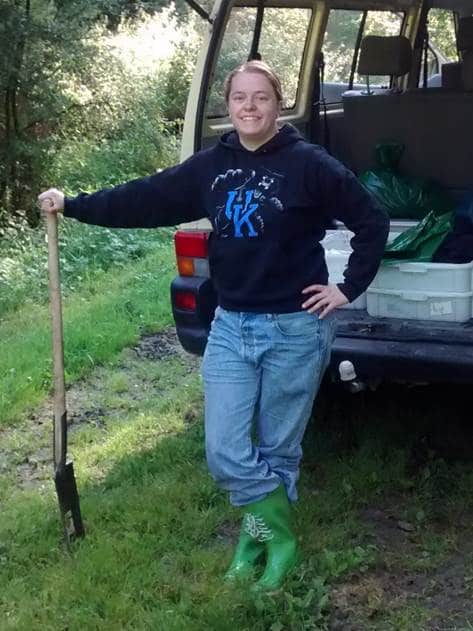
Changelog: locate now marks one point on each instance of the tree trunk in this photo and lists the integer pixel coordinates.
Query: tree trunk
(9, 185)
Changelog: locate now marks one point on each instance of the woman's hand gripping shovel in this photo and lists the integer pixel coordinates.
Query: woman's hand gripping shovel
(64, 479)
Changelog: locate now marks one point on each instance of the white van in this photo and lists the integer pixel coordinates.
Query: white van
(355, 73)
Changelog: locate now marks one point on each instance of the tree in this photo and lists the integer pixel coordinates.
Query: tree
(59, 79)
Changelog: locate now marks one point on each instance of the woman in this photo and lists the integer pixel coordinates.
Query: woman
(268, 195)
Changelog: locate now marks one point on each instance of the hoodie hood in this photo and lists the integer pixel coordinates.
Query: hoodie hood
(287, 135)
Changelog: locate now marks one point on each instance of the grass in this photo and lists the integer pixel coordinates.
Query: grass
(104, 315)
(155, 547)
(159, 533)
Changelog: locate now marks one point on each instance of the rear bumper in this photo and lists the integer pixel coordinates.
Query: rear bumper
(404, 361)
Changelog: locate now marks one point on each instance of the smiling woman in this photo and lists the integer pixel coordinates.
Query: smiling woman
(269, 195)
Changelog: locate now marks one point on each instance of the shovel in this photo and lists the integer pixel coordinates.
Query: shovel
(64, 479)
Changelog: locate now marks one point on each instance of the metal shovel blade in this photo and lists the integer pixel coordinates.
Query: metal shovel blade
(68, 498)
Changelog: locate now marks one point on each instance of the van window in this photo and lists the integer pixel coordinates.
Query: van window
(343, 29)
(286, 59)
(441, 26)
(442, 44)
(235, 47)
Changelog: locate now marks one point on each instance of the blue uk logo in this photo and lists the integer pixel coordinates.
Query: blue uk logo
(240, 211)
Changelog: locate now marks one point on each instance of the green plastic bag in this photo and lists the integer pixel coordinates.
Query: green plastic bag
(402, 196)
(420, 242)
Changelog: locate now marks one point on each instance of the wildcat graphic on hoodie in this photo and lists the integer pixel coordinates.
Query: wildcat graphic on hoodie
(247, 195)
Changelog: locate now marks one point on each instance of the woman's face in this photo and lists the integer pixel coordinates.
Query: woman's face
(253, 108)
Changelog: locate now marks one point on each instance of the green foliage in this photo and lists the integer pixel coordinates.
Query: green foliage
(35, 63)
(85, 253)
(140, 77)
(442, 33)
(177, 72)
(89, 165)
(111, 129)
(108, 313)
(67, 79)
(337, 563)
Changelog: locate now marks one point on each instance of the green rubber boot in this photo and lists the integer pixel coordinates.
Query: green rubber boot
(272, 525)
(247, 552)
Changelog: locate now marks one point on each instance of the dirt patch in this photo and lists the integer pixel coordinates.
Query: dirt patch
(163, 345)
(445, 592)
(32, 467)
(160, 345)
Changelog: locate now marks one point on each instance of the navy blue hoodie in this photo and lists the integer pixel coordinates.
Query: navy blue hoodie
(269, 209)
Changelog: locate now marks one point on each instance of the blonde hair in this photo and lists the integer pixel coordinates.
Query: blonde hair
(255, 65)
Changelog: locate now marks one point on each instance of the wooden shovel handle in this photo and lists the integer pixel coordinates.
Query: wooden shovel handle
(60, 444)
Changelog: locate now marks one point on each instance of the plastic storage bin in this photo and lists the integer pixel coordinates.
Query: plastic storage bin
(337, 251)
(426, 277)
(420, 305)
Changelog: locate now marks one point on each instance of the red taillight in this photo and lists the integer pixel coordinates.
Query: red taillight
(191, 244)
(185, 300)
(192, 253)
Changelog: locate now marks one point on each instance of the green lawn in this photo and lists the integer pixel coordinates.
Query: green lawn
(100, 319)
(384, 516)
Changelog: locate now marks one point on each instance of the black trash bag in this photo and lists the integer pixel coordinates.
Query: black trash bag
(458, 245)
(420, 242)
(464, 214)
(401, 196)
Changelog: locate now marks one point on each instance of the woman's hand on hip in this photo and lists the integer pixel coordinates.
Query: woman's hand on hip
(323, 298)
(51, 201)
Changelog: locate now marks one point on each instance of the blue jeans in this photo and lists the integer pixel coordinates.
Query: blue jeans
(261, 374)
